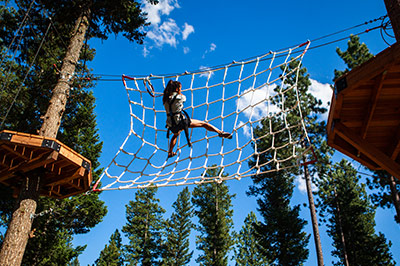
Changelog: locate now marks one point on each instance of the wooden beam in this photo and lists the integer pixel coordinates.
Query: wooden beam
(367, 149)
(80, 172)
(14, 151)
(346, 148)
(28, 166)
(395, 148)
(377, 88)
(372, 68)
(393, 10)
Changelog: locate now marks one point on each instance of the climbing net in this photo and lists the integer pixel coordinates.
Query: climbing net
(244, 98)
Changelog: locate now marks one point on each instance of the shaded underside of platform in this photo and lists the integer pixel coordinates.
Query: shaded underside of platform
(65, 172)
(364, 118)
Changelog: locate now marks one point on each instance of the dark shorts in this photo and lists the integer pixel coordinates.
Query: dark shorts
(181, 126)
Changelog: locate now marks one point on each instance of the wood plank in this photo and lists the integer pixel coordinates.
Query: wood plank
(80, 172)
(372, 68)
(28, 166)
(14, 151)
(372, 105)
(335, 107)
(394, 149)
(57, 167)
(370, 151)
(65, 174)
(27, 140)
(347, 149)
(72, 156)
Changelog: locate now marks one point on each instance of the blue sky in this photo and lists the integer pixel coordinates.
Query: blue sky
(189, 35)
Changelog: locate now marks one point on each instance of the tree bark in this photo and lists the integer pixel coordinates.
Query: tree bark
(17, 234)
(314, 219)
(58, 101)
(20, 226)
(339, 219)
(395, 196)
(393, 10)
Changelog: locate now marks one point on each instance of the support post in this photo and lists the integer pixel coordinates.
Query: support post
(18, 231)
(393, 10)
(314, 219)
(395, 197)
(17, 234)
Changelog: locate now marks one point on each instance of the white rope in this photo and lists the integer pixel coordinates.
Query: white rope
(235, 98)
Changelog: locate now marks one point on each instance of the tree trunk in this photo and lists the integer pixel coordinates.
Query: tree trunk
(339, 219)
(19, 228)
(395, 197)
(58, 101)
(314, 219)
(393, 10)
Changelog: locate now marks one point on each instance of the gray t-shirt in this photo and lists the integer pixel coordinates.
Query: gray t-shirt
(177, 107)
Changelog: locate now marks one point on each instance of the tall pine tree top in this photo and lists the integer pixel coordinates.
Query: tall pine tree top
(213, 207)
(144, 228)
(350, 218)
(176, 246)
(112, 255)
(248, 249)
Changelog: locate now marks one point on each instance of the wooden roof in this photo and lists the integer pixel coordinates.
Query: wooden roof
(67, 173)
(364, 118)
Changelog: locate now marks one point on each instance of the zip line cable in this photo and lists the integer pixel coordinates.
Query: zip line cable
(99, 76)
(26, 75)
(16, 33)
(383, 25)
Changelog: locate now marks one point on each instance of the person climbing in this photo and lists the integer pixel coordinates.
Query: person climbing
(178, 119)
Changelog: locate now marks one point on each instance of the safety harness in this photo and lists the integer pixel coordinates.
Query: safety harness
(183, 123)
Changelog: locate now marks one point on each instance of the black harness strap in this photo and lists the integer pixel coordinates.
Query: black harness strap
(184, 121)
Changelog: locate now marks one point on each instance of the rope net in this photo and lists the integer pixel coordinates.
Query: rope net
(236, 98)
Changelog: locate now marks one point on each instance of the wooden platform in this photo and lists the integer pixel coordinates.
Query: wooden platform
(67, 173)
(364, 118)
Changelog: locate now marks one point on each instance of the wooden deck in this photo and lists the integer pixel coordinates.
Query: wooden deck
(66, 173)
(364, 118)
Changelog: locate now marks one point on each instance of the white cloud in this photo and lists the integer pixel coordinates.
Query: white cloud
(186, 50)
(301, 185)
(188, 29)
(207, 73)
(246, 129)
(165, 34)
(212, 48)
(323, 92)
(145, 51)
(154, 12)
(256, 102)
(163, 30)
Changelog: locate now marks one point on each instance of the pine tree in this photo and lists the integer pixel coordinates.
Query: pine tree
(248, 250)
(176, 247)
(213, 207)
(350, 219)
(281, 233)
(111, 255)
(385, 191)
(75, 262)
(385, 187)
(79, 20)
(356, 54)
(53, 231)
(274, 190)
(144, 229)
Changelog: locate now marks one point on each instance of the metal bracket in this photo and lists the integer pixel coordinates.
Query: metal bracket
(6, 136)
(340, 85)
(47, 143)
(86, 165)
(33, 216)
